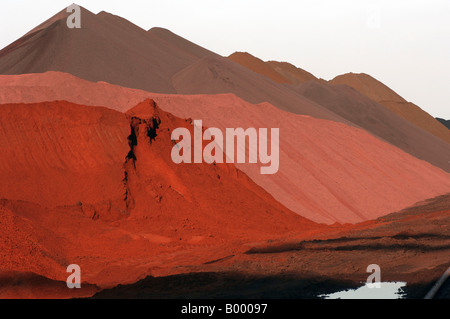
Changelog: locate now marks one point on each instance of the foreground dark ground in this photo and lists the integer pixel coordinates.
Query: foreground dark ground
(411, 246)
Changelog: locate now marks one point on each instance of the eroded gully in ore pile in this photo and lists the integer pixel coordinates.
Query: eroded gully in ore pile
(151, 127)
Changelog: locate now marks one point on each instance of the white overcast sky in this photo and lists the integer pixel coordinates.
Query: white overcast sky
(405, 44)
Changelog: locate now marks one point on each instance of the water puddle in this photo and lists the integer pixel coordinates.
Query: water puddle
(388, 290)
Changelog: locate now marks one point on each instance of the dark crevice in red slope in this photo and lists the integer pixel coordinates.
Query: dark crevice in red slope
(150, 127)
